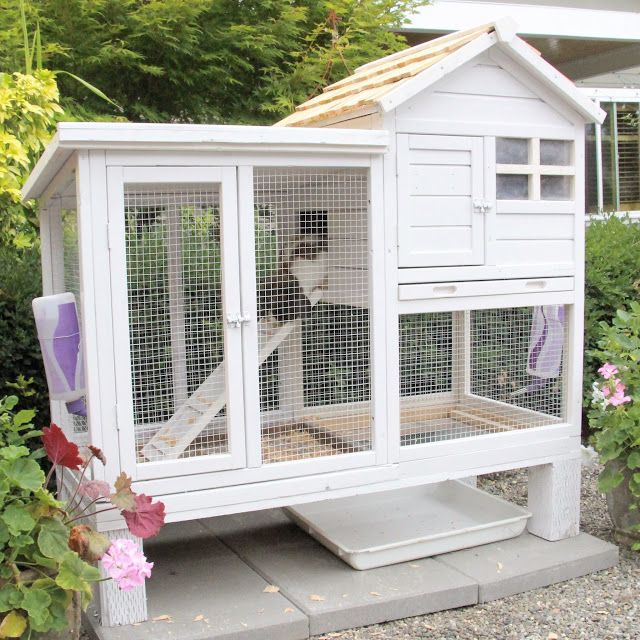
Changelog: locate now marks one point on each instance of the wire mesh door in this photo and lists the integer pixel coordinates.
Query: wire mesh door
(180, 286)
(311, 257)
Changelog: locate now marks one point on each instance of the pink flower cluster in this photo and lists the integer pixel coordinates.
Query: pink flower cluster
(126, 564)
(613, 390)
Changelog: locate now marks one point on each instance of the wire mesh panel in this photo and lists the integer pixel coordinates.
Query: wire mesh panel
(470, 373)
(175, 317)
(76, 426)
(313, 329)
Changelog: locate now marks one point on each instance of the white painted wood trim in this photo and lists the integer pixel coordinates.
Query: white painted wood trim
(231, 305)
(97, 329)
(263, 495)
(377, 310)
(486, 302)
(392, 185)
(409, 88)
(487, 272)
(250, 349)
(483, 288)
(465, 128)
(553, 79)
(262, 142)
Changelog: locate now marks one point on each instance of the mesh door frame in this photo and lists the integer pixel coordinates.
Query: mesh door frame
(226, 177)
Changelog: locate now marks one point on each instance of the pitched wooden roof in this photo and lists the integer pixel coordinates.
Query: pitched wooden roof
(385, 83)
(371, 81)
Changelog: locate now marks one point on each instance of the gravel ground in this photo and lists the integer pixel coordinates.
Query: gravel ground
(601, 606)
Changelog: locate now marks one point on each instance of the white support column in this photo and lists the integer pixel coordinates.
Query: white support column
(291, 374)
(554, 499)
(121, 607)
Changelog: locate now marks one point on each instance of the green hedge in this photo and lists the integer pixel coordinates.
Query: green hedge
(612, 280)
(20, 282)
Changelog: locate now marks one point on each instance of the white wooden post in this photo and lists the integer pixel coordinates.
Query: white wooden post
(176, 307)
(119, 607)
(554, 499)
(461, 365)
(291, 374)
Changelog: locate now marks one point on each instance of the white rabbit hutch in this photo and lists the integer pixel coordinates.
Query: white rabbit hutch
(390, 296)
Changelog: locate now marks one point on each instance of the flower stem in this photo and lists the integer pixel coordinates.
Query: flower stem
(95, 513)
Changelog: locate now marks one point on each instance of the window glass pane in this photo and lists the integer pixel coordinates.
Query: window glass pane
(512, 187)
(555, 152)
(555, 187)
(512, 151)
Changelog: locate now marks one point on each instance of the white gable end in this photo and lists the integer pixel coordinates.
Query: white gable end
(484, 93)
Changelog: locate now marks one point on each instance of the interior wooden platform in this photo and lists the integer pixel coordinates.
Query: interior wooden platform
(321, 432)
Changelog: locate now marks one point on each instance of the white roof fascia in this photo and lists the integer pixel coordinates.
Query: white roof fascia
(533, 20)
(519, 50)
(553, 79)
(605, 94)
(72, 136)
(412, 87)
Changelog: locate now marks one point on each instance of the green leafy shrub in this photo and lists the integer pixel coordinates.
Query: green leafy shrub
(46, 555)
(612, 280)
(615, 406)
(28, 110)
(22, 368)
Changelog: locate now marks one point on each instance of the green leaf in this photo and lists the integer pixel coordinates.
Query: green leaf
(25, 473)
(13, 626)
(609, 479)
(46, 498)
(47, 563)
(91, 88)
(53, 539)
(633, 461)
(56, 619)
(75, 574)
(18, 519)
(35, 603)
(24, 416)
(13, 452)
(10, 597)
(20, 541)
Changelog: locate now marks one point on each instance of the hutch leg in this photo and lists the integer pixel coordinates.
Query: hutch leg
(554, 499)
(121, 607)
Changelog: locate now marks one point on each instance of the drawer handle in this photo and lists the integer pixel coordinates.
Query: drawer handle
(447, 290)
(536, 284)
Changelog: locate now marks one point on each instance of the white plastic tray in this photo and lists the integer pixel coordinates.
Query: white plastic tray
(379, 529)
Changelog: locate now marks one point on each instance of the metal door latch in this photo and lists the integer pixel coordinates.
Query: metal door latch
(481, 205)
(237, 319)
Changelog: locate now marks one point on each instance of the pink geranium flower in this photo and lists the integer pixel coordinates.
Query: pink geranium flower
(618, 396)
(607, 370)
(126, 564)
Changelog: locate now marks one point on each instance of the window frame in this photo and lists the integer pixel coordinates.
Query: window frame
(534, 170)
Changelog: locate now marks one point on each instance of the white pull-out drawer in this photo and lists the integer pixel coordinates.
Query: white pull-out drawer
(482, 288)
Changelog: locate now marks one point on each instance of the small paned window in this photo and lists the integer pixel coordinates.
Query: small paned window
(534, 169)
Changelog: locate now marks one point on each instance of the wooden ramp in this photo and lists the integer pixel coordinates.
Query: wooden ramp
(206, 402)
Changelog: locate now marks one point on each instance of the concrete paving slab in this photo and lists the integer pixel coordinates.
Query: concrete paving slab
(527, 562)
(332, 594)
(208, 594)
